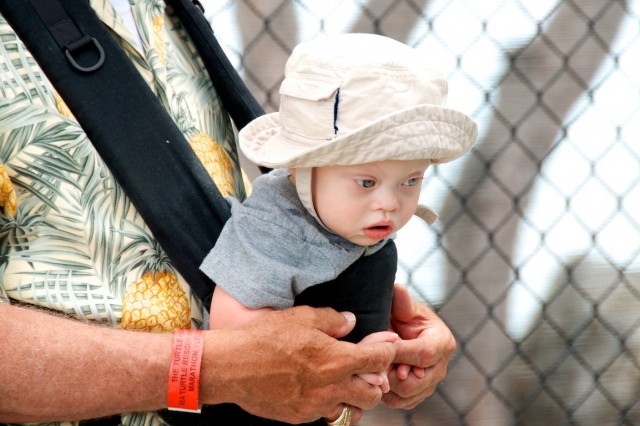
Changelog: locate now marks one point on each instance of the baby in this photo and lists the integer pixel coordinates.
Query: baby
(361, 118)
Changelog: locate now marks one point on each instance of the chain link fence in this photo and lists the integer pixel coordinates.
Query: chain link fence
(534, 263)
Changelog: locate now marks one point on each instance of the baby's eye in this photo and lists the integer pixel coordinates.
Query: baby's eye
(411, 181)
(366, 183)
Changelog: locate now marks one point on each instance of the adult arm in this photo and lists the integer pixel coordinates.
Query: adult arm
(78, 371)
(426, 342)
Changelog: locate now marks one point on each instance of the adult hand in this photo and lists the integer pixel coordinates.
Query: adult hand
(288, 366)
(422, 353)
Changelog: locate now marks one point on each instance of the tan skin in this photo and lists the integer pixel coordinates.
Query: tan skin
(43, 363)
(426, 343)
(422, 353)
(306, 373)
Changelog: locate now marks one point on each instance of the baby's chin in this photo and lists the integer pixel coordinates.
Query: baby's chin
(363, 241)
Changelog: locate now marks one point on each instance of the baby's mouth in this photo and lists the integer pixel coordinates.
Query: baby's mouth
(379, 231)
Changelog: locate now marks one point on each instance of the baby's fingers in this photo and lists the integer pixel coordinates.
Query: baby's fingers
(403, 371)
(419, 372)
(377, 379)
(380, 336)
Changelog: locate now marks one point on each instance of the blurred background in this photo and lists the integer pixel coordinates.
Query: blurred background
(535, 261)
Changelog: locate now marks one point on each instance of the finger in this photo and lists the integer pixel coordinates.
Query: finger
(356, 415)
(381, 336)
(402, 371)
(360, 394)
(410, 391)
(372, 357)
(385, 386)
(364, 358)
(392, 400)
(415, 352)
(327, 320)
(337, 412)
(375, 379)
(352, 360)
(402, 308)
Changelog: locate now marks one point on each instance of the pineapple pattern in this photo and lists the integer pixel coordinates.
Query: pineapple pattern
(70, 240)
(158, 39)
(62, 106)
(215, 161)
(7, 193)
(155, 302)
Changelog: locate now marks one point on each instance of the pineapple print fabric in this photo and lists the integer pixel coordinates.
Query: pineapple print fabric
(70, 240)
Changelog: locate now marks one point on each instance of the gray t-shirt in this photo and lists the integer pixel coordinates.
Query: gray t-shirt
(271, 249)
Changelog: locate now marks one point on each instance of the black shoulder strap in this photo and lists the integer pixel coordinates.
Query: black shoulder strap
(236, 98)
(130, 129)
(241, 104)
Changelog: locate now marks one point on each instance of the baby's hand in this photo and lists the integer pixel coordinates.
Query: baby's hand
(380, 378)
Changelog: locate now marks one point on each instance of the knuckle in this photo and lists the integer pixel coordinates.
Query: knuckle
(452, 346)
(427, 356)
(391, 401)
(409, 406)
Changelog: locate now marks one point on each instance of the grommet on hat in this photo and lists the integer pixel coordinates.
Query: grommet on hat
(355, 99)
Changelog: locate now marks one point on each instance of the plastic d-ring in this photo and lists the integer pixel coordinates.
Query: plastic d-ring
(80, 44)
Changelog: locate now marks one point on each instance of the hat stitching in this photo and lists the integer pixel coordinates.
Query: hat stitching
(335, 112)
(440, 151)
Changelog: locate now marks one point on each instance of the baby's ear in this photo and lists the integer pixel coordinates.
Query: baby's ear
(293, 170)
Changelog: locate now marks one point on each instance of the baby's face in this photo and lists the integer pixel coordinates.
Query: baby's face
(366, 203)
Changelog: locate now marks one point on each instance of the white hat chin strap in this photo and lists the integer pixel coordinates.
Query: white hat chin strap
(426, 214)
(303, 186)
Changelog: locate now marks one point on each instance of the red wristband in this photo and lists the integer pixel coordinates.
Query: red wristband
(184, 371)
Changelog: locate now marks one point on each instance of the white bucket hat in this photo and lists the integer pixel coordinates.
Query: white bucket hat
(354, 99)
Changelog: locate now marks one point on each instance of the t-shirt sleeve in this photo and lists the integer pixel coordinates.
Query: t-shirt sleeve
(258, 259)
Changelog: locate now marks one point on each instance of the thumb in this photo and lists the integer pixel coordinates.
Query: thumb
(402, 305)
(347, 324)
(331, 322)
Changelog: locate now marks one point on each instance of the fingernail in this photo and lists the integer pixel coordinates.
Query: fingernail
(349, 316)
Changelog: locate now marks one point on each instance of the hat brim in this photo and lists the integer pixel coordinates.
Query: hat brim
(422, 132)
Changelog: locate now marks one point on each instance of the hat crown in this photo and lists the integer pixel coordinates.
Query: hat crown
(336, 85)
(355, 99)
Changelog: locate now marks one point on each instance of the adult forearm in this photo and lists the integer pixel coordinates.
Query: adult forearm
(53, 368)
(285, 366)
